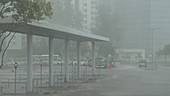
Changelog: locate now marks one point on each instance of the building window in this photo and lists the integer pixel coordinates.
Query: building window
(92, 18)
(85, 27)
(85, 4)
(93, 2)
(85, 10)
(93, 13)
(85, 22)
(85, 16)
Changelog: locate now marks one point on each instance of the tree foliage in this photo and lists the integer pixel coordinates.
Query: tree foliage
(160, 52)
(164, 51)
(25, 11)
(21, 11)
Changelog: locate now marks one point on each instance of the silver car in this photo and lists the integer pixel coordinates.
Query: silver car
(142, 63)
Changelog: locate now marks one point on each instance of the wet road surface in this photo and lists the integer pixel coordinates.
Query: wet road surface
(128, 80)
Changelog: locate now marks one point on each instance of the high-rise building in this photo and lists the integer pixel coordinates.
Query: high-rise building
(88, 8)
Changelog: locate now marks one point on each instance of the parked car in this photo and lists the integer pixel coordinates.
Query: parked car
(84, 62)
(101, 65)
(142, 63)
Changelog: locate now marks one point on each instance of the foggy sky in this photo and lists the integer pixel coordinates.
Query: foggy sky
(138, 17)
(160, 18)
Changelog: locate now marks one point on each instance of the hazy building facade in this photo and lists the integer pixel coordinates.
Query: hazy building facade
(89, 10)
(135, 20)
(130, 55)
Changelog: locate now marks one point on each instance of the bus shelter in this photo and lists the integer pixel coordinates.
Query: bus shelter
(53, 31)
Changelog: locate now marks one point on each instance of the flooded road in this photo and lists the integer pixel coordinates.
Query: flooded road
(129, 80)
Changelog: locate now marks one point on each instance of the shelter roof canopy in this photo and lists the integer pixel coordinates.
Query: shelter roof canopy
(52, 30)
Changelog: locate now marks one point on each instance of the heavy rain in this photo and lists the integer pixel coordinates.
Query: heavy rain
(84, 47)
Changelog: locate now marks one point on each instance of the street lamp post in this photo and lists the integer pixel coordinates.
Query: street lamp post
(15, 67)
(152, 46)
(153, 42)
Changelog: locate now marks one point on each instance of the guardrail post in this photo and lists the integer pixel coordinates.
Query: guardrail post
(33, 85)
(25, 87)
(54, 80)
(8, 83)
(1, 91)
(37, 85)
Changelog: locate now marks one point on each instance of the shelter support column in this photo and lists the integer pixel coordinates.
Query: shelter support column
(51, 48)
(1, 49)
(29, 63)
(78, 59)
(93, 58)
(66, 65)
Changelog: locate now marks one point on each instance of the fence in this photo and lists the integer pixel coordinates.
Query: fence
(40, 80)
